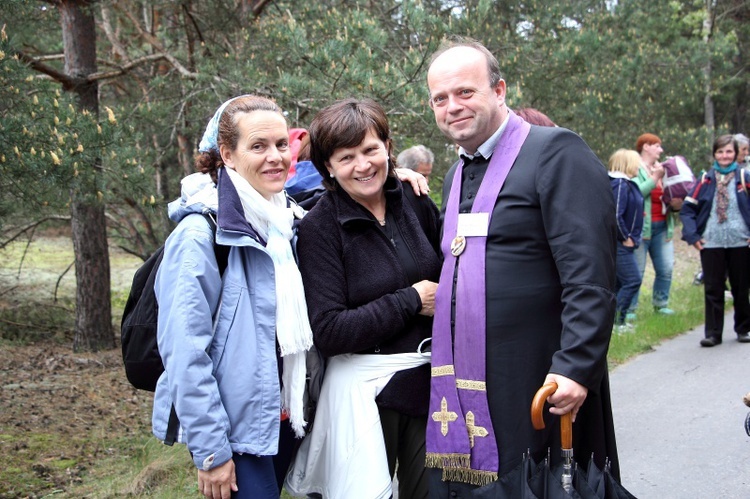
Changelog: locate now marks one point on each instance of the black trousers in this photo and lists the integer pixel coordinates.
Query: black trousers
(718, 263)
(405, 442)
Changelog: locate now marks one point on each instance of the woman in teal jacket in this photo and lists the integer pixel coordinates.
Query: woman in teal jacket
(236, 398)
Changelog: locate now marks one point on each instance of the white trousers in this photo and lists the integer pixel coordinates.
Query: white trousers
(344, 455)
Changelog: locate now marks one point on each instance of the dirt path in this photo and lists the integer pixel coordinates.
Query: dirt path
(59, 413)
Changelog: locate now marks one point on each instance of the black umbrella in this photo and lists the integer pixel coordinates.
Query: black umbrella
(566, 480)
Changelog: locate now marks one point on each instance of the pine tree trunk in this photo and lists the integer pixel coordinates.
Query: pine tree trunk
(741, 15)
(93, 327)
(708, 102)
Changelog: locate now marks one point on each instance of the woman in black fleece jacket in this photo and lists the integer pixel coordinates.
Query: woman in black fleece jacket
(369, 262)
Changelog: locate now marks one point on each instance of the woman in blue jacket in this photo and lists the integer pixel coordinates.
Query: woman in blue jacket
(716, 221)
(234, 344)
(623, 166)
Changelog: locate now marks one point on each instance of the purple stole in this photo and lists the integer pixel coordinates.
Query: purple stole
(460, 437)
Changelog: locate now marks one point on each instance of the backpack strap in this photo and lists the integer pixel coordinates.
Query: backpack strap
(173, 428)
(221, 251)
(694, 197)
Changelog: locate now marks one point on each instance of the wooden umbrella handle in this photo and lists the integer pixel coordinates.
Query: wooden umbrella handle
(537, 417)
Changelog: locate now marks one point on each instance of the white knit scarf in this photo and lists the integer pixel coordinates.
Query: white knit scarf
(273, 221)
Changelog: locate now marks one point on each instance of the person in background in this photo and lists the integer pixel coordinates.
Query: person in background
(623, 166)
(417, 158)
(716, 221)
(297, 140)
(306, 186)
(534, 116)
(658, 224)
(526, 294)
(368, 258)
(743, 155)
(234, 344)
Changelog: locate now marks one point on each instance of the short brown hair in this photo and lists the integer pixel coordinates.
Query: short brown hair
(646, 139)
(229, 134)
(345, 124)
(724, 140)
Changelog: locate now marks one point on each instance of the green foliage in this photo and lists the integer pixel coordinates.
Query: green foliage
(49, 148)
(625, 73)
(609, 74)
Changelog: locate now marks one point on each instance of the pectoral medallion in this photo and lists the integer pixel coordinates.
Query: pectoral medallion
(458, 245)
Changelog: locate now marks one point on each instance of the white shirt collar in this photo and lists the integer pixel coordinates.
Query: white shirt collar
(485, 150)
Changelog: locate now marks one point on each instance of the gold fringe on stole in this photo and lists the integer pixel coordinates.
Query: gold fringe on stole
(436, 460)
(457, 468)
(466, 475)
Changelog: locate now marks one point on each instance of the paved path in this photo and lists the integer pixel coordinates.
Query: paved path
(679, 419)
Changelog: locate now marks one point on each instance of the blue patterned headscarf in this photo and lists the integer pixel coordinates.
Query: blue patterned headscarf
(210, 140)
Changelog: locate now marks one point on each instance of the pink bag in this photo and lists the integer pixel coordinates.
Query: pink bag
(678, 178)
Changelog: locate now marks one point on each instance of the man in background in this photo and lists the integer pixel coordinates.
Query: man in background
(417, 158)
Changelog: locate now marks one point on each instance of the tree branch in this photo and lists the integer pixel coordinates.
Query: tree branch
(67, 81)
(51, 57)
(151, 39)
(57, 284)
(259, 5)
(33, 225)
(194, 23)
(106, 25)
(121, 70)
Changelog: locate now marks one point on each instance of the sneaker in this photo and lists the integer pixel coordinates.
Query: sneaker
(630, 316)
(624, 328)
(698, 279)
(663, 310)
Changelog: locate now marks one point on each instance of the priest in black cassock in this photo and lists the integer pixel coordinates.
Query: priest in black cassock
(526, 290)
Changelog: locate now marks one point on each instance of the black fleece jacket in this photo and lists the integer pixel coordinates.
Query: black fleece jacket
(358, 295)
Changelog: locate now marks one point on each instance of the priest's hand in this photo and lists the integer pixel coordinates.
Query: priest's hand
(569, 396)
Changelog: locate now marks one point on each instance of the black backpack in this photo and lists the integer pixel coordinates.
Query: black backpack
(140, 352)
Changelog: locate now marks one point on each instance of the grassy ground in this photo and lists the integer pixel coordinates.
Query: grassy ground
(71, 425)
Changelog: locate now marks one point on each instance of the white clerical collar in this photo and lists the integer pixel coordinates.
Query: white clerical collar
(486, 149)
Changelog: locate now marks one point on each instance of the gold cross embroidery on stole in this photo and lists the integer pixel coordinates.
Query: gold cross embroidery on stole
(474, 431)
(444, 416)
